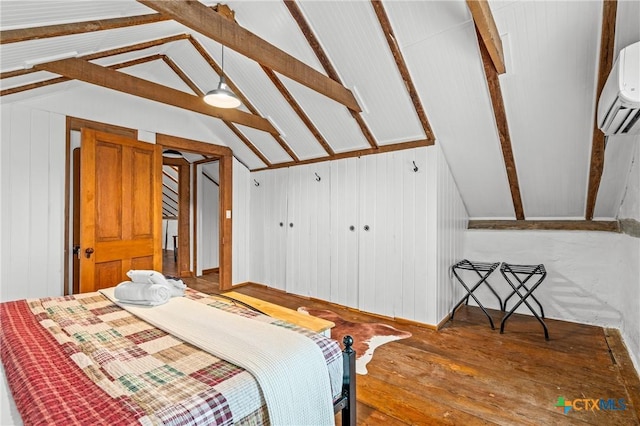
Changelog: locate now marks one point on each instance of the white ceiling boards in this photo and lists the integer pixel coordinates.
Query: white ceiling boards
(322, 50)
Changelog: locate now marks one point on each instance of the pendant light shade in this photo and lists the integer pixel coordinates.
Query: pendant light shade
(222, 96)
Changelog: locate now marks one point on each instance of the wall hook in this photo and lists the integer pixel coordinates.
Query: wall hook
(415, 168)
(256, 183)
(317, 177)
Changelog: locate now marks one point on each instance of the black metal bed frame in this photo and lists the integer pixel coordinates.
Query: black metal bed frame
(346, 404)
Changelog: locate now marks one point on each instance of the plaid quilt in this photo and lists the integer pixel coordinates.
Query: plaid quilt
(83, 360)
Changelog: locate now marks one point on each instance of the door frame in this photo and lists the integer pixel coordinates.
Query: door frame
(225, 156)
(184, 215)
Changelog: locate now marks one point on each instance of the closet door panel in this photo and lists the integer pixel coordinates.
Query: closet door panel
(275, 253)
(308, 240)
(297, 229)
(379, 247)
(344, 240)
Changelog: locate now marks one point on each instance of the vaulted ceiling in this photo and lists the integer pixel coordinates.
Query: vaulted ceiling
(322, 80)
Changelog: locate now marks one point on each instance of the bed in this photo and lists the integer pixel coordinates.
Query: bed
(83, 359)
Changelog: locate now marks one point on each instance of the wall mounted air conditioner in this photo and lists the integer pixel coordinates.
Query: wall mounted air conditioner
(619, 104)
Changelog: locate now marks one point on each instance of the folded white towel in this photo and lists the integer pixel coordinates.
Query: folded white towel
(175, 292)
(142, 294)
(143, 276)
(177, 283)
(147, 276)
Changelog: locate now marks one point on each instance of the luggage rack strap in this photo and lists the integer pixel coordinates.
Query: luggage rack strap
(523, 269)
(476, 266)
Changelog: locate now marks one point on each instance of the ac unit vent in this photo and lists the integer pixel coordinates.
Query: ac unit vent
(619, 105)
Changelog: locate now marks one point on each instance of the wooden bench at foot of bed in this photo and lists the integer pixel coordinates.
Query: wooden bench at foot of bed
(316, 324)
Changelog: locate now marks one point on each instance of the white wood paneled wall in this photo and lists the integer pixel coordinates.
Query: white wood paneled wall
(412, 300)
(373, 233)
(240, 224)
(32, 203)
(451, 223)
(268, 227)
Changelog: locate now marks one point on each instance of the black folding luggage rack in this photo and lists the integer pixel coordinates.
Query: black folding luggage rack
(522, 274)
(483, 270)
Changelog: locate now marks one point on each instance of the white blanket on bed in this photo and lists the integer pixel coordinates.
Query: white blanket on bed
(289, 367)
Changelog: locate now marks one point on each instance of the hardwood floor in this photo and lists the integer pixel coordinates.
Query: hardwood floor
(468, 374)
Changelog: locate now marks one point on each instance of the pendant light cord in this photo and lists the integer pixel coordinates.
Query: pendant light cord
(222, 62)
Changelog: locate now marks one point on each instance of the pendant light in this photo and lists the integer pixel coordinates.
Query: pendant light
(222, 97)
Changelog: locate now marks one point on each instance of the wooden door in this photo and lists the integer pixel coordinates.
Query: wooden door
(120, 208)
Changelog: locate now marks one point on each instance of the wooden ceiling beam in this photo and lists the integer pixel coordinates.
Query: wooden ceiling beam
(95, 74)
(546, 225)
(31, 86)
(248, 143)
(57, 80)
(387, 29)
(483, 18)
(105, 53)
(182, 75)
(206, 21)
(314, 43)
(47, 31)
(298, 110)
(607, 46)
(356, 153)
(500, 114)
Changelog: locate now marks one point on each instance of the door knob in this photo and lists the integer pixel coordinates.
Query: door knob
(88, 252)
(352, 228)
(366, 227)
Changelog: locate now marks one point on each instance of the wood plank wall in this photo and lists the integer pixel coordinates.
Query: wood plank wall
(452, 220)
(240, 223)
(379, 232)
(32, 176)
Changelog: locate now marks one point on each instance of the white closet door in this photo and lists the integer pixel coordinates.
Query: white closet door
(379, 242)
(297, 228)
(344, 240)
(275, 228)
(308, 232)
